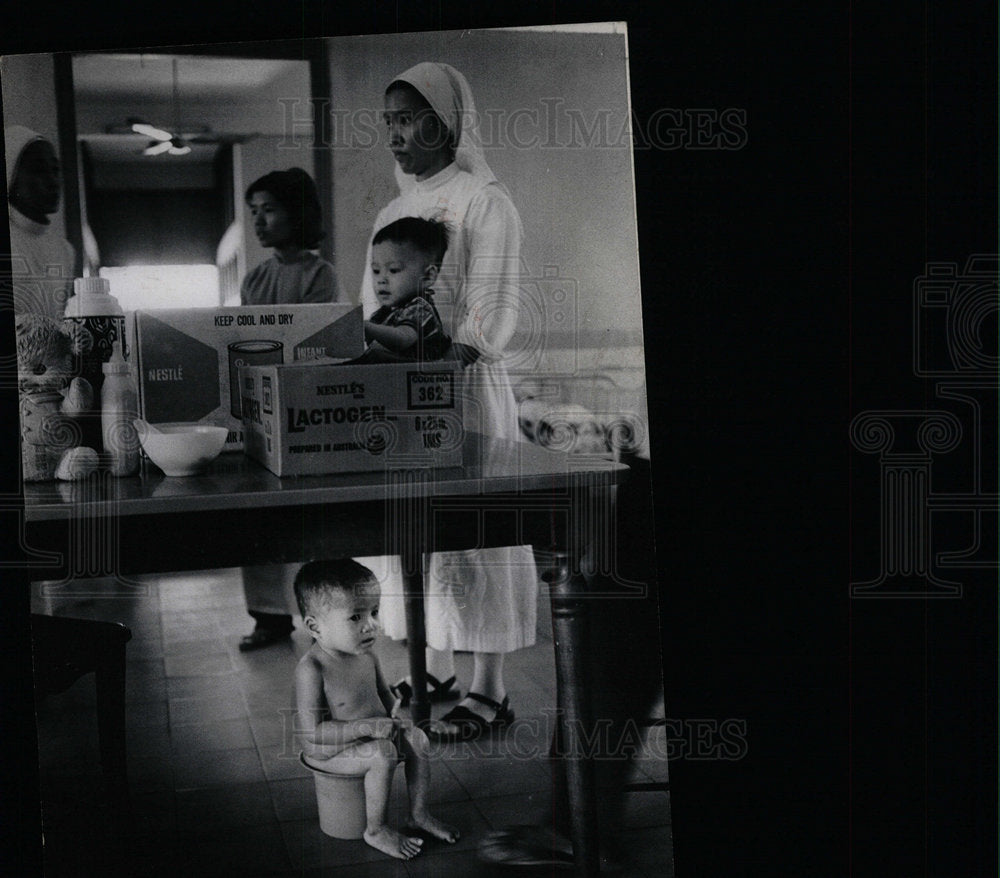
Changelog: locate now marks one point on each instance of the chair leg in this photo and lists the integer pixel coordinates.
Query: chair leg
(110, 683)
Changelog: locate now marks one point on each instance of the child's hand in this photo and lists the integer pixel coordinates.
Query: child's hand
(397, 708)
(383, 726)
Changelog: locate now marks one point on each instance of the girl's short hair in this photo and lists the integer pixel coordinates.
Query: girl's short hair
(297, 193)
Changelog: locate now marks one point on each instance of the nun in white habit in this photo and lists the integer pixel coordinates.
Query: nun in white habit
(481, 601)
(41, 259)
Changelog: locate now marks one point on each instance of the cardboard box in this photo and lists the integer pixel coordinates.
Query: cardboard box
(187, 360)
(320, 418)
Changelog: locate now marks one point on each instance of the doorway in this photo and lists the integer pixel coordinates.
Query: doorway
(166, 144)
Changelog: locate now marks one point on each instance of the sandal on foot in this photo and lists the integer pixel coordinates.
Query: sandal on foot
(470, 724)
(438, 692)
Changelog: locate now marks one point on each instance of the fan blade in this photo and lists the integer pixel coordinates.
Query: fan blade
(157, 148)
(180, 148)
(150, 131)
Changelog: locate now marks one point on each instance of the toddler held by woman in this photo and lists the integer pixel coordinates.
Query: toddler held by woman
(406, 259)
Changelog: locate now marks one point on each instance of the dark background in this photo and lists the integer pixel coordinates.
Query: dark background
(777, 299)
(138, 226)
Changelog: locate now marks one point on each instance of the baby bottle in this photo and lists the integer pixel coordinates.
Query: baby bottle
(93, 306)
(119, 408)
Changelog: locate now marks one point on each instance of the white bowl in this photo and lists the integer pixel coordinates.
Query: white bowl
(181, 449)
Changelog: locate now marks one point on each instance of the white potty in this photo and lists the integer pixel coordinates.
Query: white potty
(340, 799)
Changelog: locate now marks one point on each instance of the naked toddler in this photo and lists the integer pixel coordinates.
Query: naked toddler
(344, 705)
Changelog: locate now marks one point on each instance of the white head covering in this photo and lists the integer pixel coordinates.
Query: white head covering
(15, 139)
(449, 95)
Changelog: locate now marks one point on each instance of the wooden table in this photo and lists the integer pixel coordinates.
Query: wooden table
(238, 513)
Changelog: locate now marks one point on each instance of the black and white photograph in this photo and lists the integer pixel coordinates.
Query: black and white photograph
(332, 393)
(499, 439)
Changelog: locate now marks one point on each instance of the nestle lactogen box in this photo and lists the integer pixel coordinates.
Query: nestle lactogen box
(188, 360)
(320, 418)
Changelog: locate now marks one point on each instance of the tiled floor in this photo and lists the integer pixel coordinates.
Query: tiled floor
(216, 785)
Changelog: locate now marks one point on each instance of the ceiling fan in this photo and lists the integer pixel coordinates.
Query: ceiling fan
(162, 141)
(174, 141)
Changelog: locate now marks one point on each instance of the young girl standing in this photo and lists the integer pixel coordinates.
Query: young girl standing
(286, 216)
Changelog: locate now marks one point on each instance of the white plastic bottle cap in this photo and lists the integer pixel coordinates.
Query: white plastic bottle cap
(87, 285)
(93, 299)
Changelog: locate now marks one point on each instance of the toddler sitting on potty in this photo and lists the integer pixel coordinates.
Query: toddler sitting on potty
(345, 708)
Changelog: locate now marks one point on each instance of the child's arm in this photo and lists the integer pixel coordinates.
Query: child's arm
(384, 693)
(310, 703)
(395, 338)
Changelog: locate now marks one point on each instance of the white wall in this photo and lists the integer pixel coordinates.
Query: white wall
(576, 203)
(575, 196)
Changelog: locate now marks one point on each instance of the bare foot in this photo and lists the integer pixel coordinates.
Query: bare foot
(435, 827)
(393, 843)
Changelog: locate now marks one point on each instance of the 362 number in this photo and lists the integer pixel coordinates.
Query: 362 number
(430, 394)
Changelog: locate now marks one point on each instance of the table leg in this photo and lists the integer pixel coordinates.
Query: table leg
(569, 625)
(416, 638)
